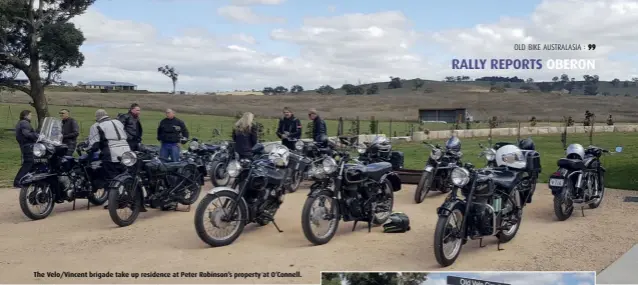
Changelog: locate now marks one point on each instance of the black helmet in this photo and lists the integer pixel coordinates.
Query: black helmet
(453, 144)
(527, 144)
(397, 223)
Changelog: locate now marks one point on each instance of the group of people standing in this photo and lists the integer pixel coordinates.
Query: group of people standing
(110, 137)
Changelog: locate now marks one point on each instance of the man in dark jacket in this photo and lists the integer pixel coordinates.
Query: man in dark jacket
(70, 131)
(170, 132)
(289, 129)
(26, 137)
(318, 125)
(132, 126)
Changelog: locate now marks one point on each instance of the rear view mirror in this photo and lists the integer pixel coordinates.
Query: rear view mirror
(619, 149)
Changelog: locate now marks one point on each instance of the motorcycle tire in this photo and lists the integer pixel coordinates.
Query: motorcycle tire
(305, 219)
(194, 191)
(601, 185)
(390, 195)
(114, 202)
(201, 218)
(559, 201)
(422, 189)
(439, 237)
(506, 236)
(214, 179)
(295, 182)
(98, 199)
(25, 197)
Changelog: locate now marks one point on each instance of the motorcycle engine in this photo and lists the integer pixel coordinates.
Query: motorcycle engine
(482, 218)
(355, 206)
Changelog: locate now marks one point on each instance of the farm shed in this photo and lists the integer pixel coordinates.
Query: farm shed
(109, 85)
(449, 115)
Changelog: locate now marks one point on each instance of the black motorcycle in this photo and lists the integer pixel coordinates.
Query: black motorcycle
(578, 180)
(492, 204)
(149, 181)
(202, 155)
(311, 155)
(348, 192)
(220, 160)
(57, 178)
(255, 196)
(436, 173)
(380, 150)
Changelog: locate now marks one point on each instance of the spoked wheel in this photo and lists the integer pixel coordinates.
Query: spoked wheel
(219, 176)
(599, 183)
(214, 223)
(191, 192)
(384, 208)
(295, 181)
(320, 218)
(124, 204)
(99, 197)
(563, 203)
(514, 216)
(447, 238)
(36, 201)
(422, 189)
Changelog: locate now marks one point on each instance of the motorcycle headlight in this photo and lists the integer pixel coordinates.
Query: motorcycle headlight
(436, 154)
(193, 145)
(39, 150)
(129, 158)
(361, 149)
(329, 165)
(224, 145)
(299, 145)
(460, 176)
(490, 155)
(233, 168)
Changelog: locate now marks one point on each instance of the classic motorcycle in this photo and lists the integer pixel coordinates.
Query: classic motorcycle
(217, 167)
(153, 182)
(438, 168)
(57, 178)
(202, 155)
(311, 155)
(580, 179)
(348, 192)
(489, 153)
(380, 150)
(255, 196)
(493, 202)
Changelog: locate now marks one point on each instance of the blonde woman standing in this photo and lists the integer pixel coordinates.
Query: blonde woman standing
(245, 135)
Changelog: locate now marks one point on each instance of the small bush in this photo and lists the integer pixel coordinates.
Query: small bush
(497, 89)
(532, 121)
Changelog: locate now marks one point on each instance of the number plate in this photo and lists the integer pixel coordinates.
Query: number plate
(428, 168)
(556, 182)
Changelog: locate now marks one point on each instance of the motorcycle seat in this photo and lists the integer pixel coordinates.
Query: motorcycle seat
(571, 164)
(505, 178)
(210, 147)
(174, 166)
(376, 170)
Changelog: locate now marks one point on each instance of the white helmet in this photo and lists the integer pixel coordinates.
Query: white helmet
(575, 151)
(510, 156)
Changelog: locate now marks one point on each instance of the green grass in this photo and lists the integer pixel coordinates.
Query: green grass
(621, 167)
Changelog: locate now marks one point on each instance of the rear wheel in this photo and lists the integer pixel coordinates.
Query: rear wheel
(321, 208)
(40, 197)
(423, 187)
(563, 203)
(512, 222)
(447, 238)
(191, 193)
(295, 181)
(124, 203)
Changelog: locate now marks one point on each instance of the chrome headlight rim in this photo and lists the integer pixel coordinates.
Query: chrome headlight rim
(460, 176)
(39, 150)
(233, 168)
(436, 154)
(329, 165)
(299, 145)
(129, 158)
(193, 145)
(361, 149)
(490, 154)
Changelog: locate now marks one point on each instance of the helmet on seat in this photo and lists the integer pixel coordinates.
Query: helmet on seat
(510, 156)
(453, 144)
(575, 151)
(527, 144)
(397, 223)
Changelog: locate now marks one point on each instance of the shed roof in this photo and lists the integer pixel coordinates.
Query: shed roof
(109, 83)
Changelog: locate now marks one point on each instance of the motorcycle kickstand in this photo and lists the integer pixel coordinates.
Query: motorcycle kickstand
(355, 225)
(73, 209)
(498, 246)
(370, 223)
(276, 226)
(582, 210)
(481, 245)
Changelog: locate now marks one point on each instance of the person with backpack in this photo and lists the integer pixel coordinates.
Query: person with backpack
(132, 126)
(289, 129)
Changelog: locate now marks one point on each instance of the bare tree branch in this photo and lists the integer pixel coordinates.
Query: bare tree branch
(17, 63)
(16, 87)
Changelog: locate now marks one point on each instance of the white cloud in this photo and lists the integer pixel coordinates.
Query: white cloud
(245, 14)
(347, 48)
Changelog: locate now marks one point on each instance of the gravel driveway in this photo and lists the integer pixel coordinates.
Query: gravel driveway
(165, 242)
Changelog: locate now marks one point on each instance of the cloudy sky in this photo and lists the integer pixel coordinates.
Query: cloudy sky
(246, 44)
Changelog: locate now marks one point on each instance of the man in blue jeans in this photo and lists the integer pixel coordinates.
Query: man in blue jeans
(170, 132)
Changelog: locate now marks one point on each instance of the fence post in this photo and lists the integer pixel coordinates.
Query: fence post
(340, 127)
(591, 130)
(518, 135)
(390, 129)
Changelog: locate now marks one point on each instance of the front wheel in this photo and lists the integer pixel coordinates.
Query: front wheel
(219, 176)
(447, 238)
(217, 226)
(514, 218)
(295, 181)
(124, 203)
(423, 187)
(39, 196)
(600, 183)
(320, 208)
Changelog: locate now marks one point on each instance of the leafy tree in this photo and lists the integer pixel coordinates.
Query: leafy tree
(171, 73)
(589, 117)
(418, 83)
(374, 125)
(281, 90)
(610, 121)
(555, 79)
(532, 121)
(507, 85)
(296, 89)
(625, 84)
(529, 80)
(544, 86)
(325, 90)
(395, 83)
(564, 78)
(80, 83)
(268, 91)
(615, 82)
(41, 43)
(373, 89)
(450, 78)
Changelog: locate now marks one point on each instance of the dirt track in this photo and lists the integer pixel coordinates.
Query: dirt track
(82, 241)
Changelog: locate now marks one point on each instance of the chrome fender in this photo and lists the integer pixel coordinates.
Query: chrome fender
(222, 188)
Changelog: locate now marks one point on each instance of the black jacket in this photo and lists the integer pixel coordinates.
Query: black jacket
(70, 131)
(25, 134)
(132, 127)
(318, 128)
(291, 125)
(171, 130)
(244, 142)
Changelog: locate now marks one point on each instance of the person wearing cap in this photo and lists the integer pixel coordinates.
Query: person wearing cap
(70, 131)
(289, 129)
(319, 128)
(108, 136)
